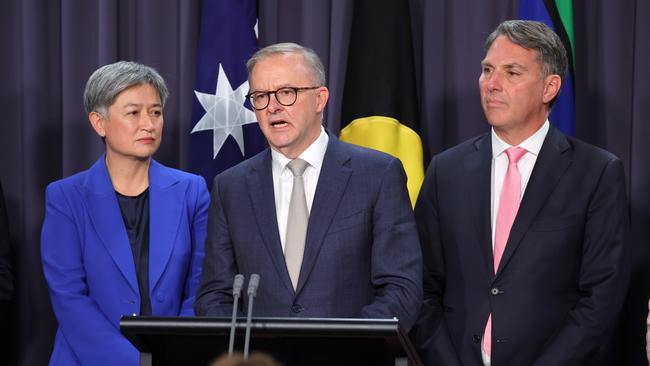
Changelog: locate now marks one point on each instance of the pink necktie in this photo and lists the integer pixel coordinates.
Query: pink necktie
(508, 206)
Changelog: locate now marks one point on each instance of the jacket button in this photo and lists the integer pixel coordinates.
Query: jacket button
(297, 308)
(495, 291)
(476, 338)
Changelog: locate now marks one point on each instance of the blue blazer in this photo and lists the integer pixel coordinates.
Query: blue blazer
(89, 266)
(562, 278)
(362, 256)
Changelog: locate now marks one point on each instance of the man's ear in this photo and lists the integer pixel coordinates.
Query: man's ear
(322, 98)
(552, 85)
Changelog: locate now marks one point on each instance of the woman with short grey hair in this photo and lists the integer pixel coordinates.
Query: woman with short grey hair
(124, 237)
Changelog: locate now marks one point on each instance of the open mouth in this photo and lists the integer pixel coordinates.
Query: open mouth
(279, 124)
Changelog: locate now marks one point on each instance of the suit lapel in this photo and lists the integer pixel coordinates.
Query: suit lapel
(260, 189)
(106, 218)
(477, 169)
(165, 210)
(553, 160)
(334, 176)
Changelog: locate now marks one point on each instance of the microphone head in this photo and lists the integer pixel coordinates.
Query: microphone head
(237, 284)
(253, 284)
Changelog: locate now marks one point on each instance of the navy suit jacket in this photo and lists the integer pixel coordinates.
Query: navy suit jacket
(89, 266)
(362, 255)
(562, 277)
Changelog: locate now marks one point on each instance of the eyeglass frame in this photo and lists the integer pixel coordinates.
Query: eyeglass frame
(295, 89)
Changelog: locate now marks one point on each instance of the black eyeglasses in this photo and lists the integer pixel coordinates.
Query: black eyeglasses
(286, 96)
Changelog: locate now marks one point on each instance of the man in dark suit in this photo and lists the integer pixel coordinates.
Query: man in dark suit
(345, 246)
(522, 229)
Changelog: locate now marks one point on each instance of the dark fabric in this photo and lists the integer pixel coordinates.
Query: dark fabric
(361, 257)
(6, 276)
(562, 278)
(135, 213)
(380, 76)
(6, 260)
(50, 48)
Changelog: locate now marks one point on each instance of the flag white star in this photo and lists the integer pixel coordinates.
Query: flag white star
(225, 113)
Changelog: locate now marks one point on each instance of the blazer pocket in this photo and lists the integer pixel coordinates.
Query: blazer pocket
(557, 223)
(347, 222)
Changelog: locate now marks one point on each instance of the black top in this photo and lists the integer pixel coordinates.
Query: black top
(135, 213)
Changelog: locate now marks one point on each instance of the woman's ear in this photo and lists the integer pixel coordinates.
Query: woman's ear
(97, 121)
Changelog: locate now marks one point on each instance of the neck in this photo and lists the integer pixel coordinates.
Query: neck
(516, 136)
(130, 177)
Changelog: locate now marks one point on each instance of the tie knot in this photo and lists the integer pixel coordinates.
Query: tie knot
(297, 167)
(515, 153)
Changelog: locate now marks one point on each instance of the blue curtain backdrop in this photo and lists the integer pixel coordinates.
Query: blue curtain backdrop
(50, 47)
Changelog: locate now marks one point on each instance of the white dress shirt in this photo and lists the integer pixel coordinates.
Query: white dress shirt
(532, 145)
(283, 179)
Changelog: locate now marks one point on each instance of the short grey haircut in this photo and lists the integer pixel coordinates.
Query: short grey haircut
(536, 36)
(107, 82)
(313, 62)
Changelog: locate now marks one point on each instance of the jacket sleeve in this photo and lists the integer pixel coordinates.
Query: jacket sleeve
(396, 260)
(93, 337)
(603, 277)
(430, 334)
(200, 200)
(214, 296)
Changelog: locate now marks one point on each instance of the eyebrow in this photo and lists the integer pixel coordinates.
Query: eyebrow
(137, 105)
(510, 66)
(286, 85)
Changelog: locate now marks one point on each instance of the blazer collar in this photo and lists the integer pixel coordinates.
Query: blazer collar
(104, 212)
(166, 207)
(554, 159)
(259, 180)
(166, 202)
(333, 178)
(477, 167)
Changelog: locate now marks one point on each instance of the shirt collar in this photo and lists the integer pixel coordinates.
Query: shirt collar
(313, 155)
(533, 144)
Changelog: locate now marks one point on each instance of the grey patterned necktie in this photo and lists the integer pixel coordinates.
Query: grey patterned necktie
(294, 244)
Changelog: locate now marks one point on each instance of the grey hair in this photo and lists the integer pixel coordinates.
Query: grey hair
(314, 64)
(536, 36)
(107, 82)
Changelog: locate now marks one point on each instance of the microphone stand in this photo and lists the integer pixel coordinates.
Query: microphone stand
(253, 283)
(237, 285)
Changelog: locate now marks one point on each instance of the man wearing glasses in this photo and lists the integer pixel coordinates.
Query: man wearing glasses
(327, 225)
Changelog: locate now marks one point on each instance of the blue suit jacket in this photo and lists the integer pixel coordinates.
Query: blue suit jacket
(562, 277)
(361, 259)
(89, 266)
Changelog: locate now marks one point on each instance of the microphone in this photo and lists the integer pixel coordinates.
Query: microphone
(237, 285)
(253, 284)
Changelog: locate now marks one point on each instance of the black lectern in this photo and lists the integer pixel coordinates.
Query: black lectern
(172, 341)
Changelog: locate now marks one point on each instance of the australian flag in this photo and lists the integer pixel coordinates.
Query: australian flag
(224, 128)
